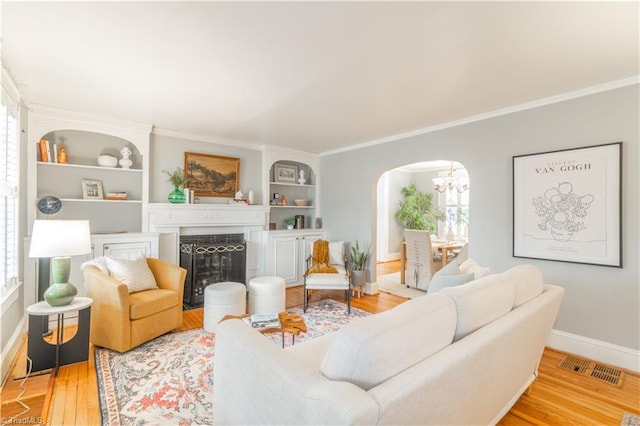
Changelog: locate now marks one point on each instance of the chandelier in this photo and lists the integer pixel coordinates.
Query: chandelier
(451, 182)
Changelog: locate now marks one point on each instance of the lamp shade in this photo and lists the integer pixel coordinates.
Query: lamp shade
(56, 238)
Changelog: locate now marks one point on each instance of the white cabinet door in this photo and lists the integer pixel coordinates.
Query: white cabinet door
(127, 250)
(284, 257)
(287, 254)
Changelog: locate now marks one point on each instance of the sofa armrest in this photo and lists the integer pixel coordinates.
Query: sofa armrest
(259, 383)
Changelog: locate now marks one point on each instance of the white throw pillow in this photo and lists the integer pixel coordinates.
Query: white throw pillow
(470, 266)
(134, 273)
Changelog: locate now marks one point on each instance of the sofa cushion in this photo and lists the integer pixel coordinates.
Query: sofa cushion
(481, 301)
(373, 349)
(528, 283)
(135, 273)
(470, 266)
(449, 276)
(443, 281)
(145, 303)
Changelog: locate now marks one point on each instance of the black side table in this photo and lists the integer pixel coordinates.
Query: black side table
(45, 355)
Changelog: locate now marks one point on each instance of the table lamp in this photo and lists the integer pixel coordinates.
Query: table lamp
(59, 240)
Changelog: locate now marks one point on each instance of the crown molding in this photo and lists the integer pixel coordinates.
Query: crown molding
(496, 113)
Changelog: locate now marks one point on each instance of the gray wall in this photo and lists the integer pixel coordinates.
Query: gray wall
(167, 153)
(600, 302)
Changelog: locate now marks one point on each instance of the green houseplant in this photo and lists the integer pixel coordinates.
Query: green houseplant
(358, 260)
(416, 211)
(177, 179)
(289, 222)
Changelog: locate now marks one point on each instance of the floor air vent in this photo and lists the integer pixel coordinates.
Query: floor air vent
(602, 372)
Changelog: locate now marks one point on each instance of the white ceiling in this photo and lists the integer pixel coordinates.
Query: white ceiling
(311, 76)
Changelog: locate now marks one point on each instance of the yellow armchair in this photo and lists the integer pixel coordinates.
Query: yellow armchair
(122, 321)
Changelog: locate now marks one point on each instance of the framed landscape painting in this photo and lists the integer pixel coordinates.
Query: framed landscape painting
(567, 205)
(212, 175)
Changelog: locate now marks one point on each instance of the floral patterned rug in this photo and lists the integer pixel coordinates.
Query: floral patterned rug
(169, 380)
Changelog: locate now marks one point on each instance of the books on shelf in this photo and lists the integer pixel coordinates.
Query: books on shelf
(48, 151)
(263, 321)
(122, 195)
(43, 147)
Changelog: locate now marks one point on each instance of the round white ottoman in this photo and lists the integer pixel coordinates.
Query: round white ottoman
(266, 295)
(220, 299)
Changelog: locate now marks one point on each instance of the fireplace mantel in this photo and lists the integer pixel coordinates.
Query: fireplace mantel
(173, 220)
(164, 217)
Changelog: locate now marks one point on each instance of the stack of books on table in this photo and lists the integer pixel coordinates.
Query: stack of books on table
(263, 321)
(122, 195)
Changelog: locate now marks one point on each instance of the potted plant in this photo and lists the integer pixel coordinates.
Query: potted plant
(358, 260)
(177, 179)
(416, 212)
(289, 222)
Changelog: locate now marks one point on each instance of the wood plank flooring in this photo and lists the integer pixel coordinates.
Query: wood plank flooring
(558, 397)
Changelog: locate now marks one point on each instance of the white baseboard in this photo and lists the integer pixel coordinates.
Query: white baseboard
(598, 350)
(371, 288)
(9, 353)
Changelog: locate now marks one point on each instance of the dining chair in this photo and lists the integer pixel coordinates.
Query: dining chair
(419, 255)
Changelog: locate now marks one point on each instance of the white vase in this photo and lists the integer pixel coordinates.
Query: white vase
(449, 236)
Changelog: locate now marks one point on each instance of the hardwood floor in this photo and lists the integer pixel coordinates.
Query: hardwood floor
(558, 397)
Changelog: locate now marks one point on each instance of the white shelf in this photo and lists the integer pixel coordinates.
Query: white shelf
(292, 207)
(292, 184)
(81, 200)
(83, 166)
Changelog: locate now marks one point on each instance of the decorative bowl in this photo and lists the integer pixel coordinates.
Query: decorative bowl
(107, 160)
(301, 202)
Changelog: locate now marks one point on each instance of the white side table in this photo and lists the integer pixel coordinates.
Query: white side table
(44, 355)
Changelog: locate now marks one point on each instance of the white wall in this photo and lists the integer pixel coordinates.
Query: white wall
(167, 153)
(600, 302)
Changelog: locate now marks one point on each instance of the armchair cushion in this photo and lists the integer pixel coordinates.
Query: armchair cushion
(145, 303)
(135, 273)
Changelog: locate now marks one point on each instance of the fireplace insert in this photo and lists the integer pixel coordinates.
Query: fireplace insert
(211, 259)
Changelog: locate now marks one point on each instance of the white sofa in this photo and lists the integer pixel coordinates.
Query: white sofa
(463, 355)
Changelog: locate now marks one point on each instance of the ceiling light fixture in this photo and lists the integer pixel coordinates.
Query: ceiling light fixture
(451, 182)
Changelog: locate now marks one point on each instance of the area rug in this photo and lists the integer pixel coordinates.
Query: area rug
(390, 283)
(170, 379)
(629, 419)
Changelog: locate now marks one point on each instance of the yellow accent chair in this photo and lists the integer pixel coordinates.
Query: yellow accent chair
(121, 320)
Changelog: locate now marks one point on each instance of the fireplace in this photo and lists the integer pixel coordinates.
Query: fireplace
(211, 259)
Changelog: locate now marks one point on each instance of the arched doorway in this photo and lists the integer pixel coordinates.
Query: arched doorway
(446, 181)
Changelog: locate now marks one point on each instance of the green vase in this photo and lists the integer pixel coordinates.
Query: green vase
(176, 196)
(60, 294)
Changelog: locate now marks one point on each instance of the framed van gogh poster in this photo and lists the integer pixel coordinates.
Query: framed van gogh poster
(567, 205)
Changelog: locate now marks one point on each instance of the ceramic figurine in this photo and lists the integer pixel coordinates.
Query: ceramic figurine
(125, 162)
(302, 179)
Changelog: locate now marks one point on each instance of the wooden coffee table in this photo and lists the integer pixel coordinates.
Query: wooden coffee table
(289, 323)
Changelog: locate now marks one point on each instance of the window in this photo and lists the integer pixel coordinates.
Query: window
(8, 190)
(456, 211)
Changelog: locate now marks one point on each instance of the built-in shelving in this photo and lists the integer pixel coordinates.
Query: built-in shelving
(293, 191)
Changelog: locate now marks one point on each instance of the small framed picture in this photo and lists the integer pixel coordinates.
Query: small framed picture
(285, 173)
(92, 190)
